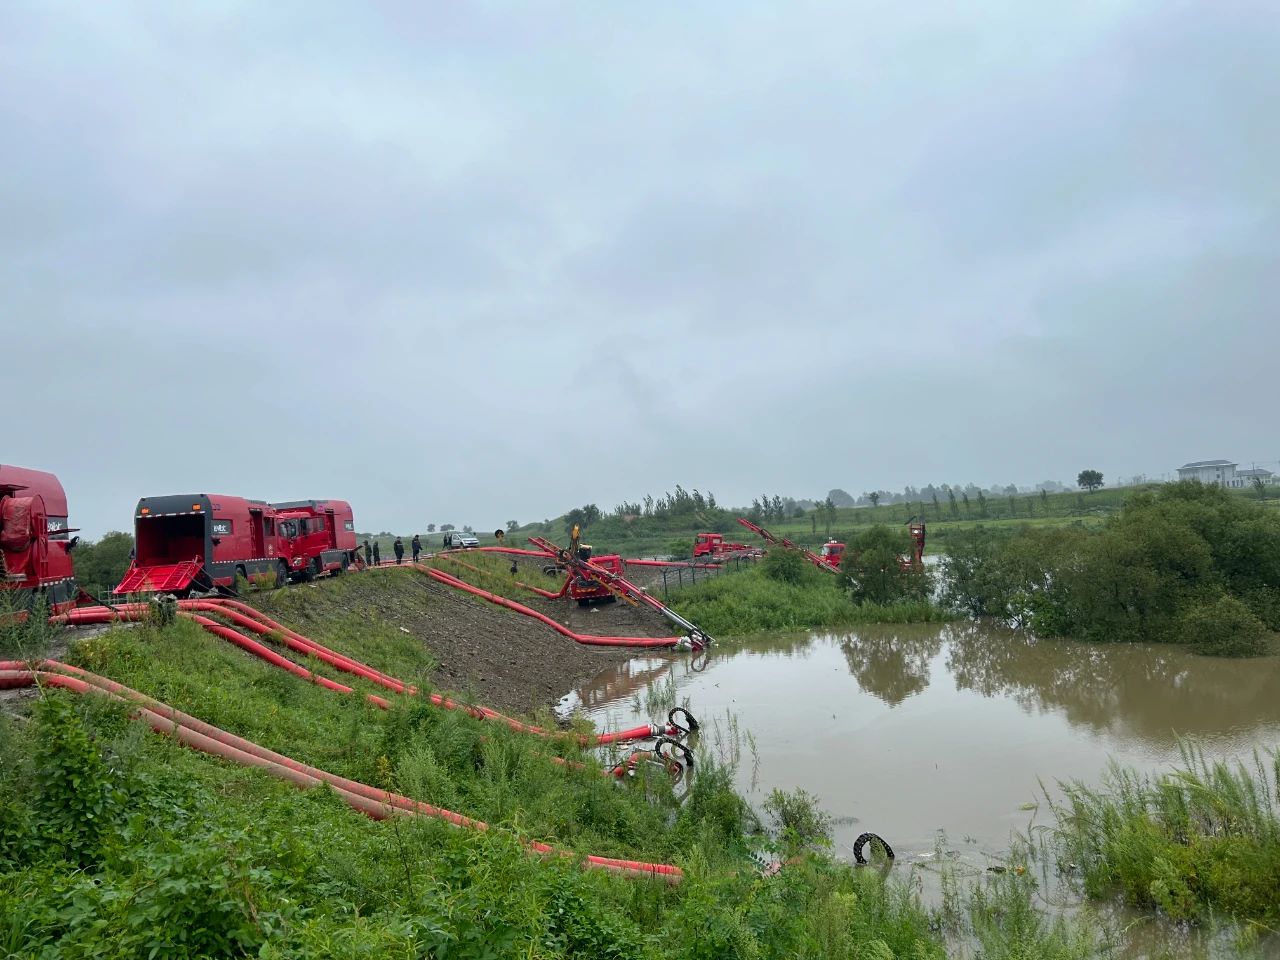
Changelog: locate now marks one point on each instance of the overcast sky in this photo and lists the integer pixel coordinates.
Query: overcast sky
(475, 263)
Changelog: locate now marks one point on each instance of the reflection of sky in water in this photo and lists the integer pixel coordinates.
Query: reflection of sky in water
(916, 729)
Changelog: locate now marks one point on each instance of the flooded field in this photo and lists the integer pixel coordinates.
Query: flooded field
(938, 737)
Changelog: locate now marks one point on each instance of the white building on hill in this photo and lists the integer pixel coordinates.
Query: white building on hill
(1219, 472)
(1247, 476)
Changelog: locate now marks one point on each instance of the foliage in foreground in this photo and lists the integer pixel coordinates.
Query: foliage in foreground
(1199, 841)
(117, 843)
(1189, 564)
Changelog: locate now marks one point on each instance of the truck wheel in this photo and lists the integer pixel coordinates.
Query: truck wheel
(282, 574)
(235, 581)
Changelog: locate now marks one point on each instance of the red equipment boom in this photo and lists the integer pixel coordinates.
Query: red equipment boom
(809, 555)
(833, 552)
(35, 549)
(620, 586)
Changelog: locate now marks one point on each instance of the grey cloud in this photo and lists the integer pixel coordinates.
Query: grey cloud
(470, 263)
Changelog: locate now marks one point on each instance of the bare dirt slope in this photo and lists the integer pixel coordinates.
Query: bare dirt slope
(481, 651)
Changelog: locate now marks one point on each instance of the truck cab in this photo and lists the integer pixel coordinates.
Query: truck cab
(707, 544)
(315, 537)
(831, 553)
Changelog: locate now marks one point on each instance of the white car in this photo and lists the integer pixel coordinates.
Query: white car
(456, 540)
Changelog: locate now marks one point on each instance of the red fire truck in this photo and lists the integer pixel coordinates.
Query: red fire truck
(713, 545)
(316, 536)
(35, 549)
(200, 541)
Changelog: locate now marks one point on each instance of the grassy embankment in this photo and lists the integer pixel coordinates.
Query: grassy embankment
(117, 843)
(739, 604)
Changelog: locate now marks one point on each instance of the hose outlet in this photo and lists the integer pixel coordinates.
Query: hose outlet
(689, 724)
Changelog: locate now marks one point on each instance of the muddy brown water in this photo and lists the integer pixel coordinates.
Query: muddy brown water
(938, 737)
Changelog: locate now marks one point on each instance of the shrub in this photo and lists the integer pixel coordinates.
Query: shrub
(802, 824)
(872, 571)
(786, 566)
(1225, 627)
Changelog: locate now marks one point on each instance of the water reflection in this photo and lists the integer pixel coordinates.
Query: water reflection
(1152, 693)
(893, 666)
(926, 731)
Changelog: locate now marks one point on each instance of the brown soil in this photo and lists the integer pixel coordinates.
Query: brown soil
(485, 653)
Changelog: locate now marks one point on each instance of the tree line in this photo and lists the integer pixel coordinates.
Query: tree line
(1188, 563)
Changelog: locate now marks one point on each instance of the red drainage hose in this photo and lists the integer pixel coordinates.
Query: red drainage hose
(672, 563)
(586, 639)
(532, 589)
(260, 623)
(103, 615)
(198, 735)
(268, 625)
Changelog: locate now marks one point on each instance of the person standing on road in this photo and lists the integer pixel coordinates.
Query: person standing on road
(377, 554)
(416, 546)
(368, 554)
(398, 547)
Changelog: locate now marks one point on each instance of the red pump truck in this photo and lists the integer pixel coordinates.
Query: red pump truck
(35, 544)
(201, 541)
(204, 541)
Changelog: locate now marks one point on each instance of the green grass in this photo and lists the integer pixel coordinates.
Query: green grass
(737, 604)
(187, 856)
(1200, 842)
(117, 843)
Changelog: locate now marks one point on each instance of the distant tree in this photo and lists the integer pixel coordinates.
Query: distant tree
(840, 498)
(829, 510)
(937, 508)
(951, 497)
(982, 504)
(711, 500)
(1260, 487)
(511, 526)
(965, 497)
(446, 527)
(1031, 506)
(813, 520)
(466, 528)
(101, 565)
(1044, 497)
(431, 528)
(874, 497)
(1089, 480)
(779, 512)
(1010, 490)
(1013, 506)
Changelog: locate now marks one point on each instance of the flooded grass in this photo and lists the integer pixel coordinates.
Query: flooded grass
(749, 602)
(1198, 842)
